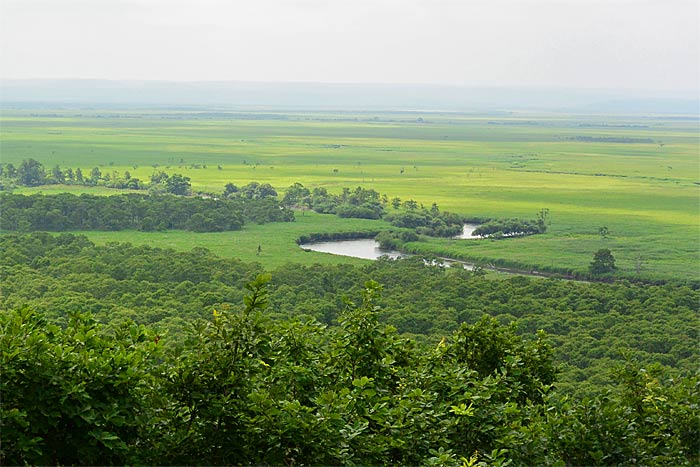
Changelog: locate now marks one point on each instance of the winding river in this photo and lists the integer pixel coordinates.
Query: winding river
(368, 248)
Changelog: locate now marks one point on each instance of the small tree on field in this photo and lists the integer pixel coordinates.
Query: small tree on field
(542, 217)
(603, 262)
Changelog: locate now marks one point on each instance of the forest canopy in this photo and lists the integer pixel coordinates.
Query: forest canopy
(244, 390)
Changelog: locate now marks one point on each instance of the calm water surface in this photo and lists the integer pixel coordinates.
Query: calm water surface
(467, 231)
(368, 248)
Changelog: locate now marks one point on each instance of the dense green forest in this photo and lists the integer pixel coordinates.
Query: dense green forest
(241, 388)
(65, 211)
(590, 325)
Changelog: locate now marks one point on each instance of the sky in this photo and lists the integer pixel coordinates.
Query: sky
(575, 44)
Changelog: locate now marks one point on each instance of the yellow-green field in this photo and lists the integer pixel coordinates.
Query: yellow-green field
(646, 193)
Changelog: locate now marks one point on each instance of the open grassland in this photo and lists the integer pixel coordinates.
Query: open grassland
(276, 240)
(638, 176)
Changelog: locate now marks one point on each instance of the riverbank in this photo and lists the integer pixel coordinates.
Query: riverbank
(353, 245)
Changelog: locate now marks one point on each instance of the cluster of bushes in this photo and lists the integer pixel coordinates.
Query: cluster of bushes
(500, 228)
(331, 236)
(65, 211)
(243, 390)
(359, 203)
(253, 190)
(428, 222)
(394, 240)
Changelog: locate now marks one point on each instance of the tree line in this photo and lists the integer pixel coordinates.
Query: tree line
(500, 228)
(367, 203)
(406, 214)
(31, 172)
(360, 202)
(65, 211)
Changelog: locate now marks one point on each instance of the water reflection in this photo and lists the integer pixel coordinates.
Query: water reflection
(467, 231)
(366, 248)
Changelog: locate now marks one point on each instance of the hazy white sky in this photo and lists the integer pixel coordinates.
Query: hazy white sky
(628, 44)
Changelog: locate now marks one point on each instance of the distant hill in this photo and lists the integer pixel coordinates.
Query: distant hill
(325, 96)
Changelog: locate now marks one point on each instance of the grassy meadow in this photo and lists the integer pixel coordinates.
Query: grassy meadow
(639, 176)
(277, 240)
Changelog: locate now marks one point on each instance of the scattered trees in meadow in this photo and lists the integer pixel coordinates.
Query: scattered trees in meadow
(32, 173)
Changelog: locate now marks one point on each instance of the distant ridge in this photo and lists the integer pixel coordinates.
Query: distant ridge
(325, 96)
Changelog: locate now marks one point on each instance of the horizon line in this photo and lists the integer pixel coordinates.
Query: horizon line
(690, 92)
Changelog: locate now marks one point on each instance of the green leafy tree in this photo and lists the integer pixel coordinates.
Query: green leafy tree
(10, 171)
(178, 185)
(410, 205)
(255, 190)
(603, 262)
(542, 218)
(31, 173)
(74, 396)
(158, 177)
(58, 175)
(95, 175)
(296, 195)
(230, 190)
